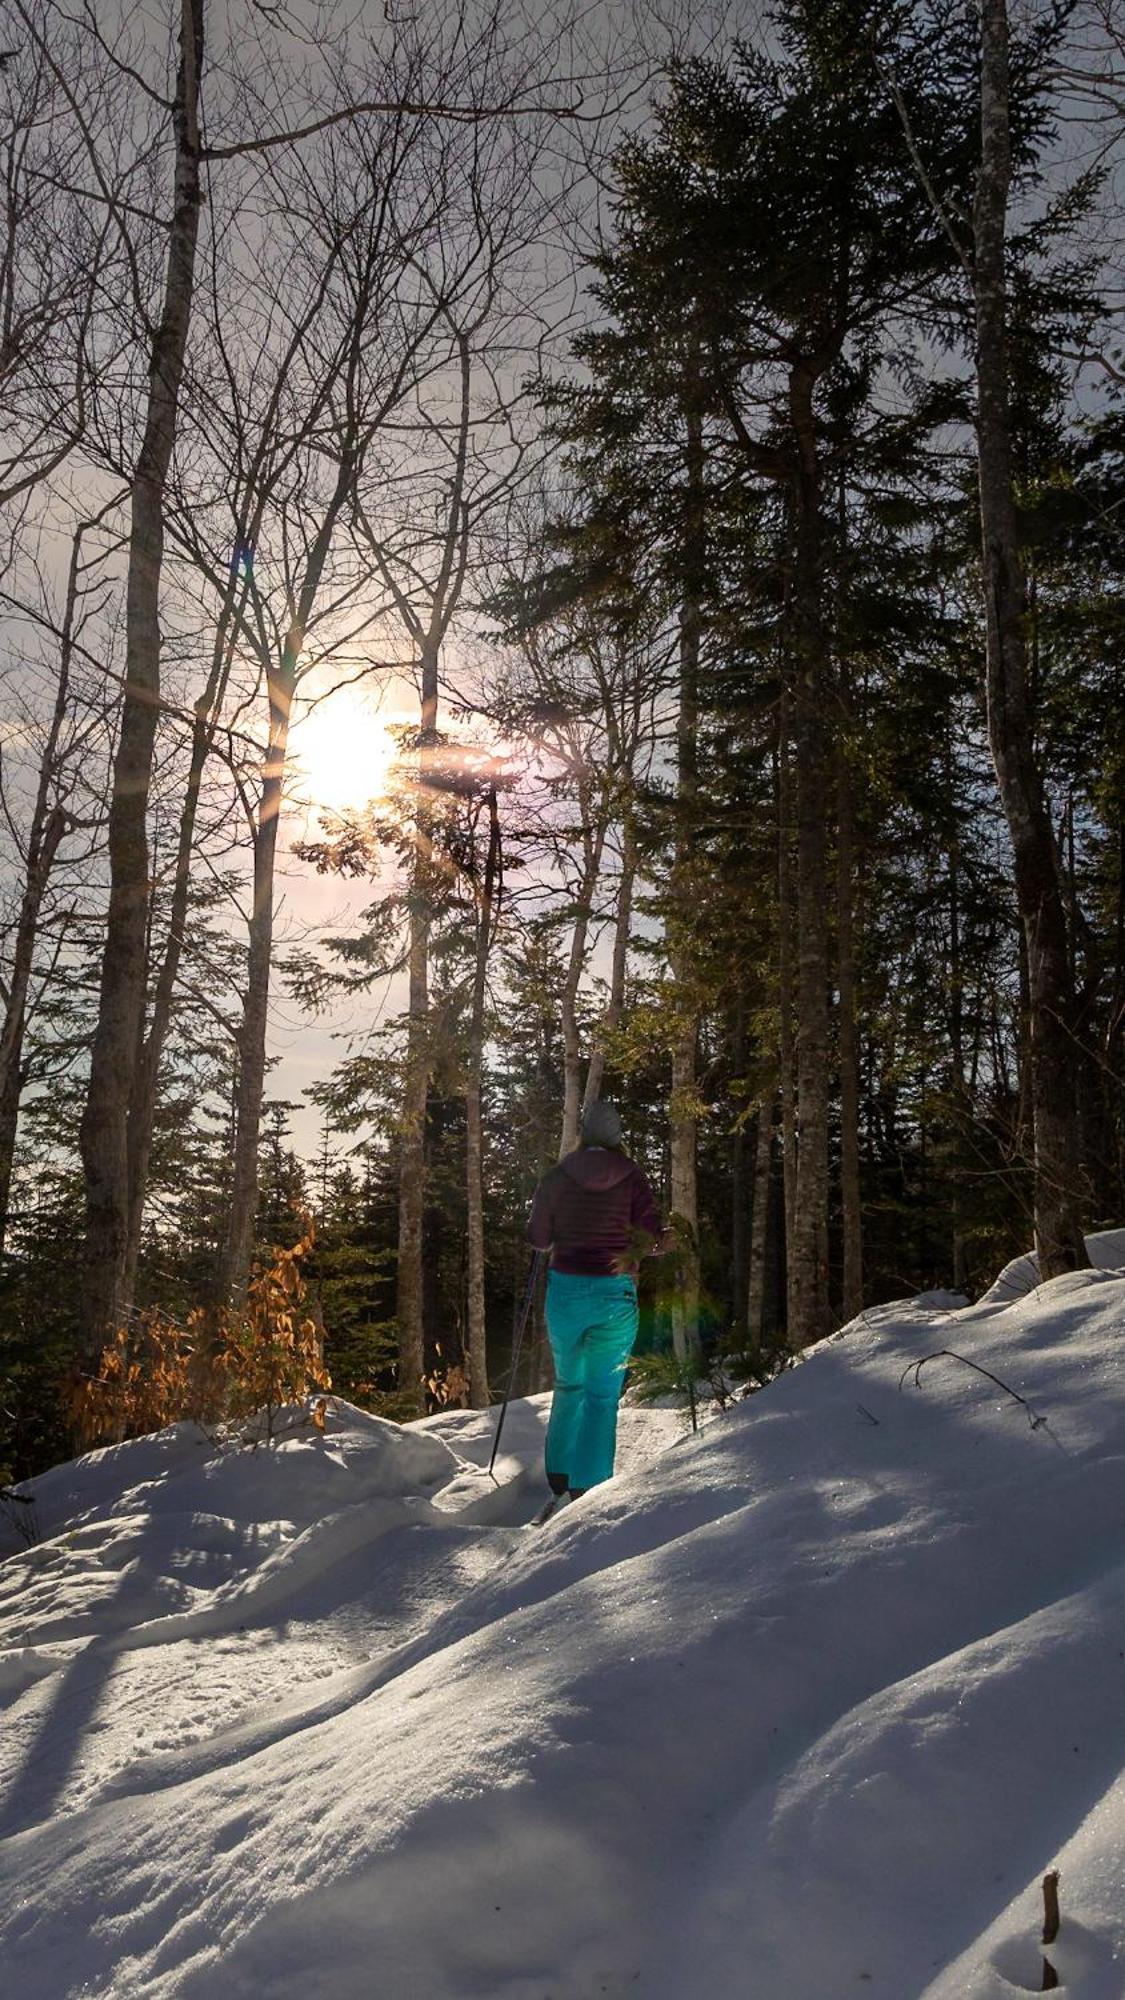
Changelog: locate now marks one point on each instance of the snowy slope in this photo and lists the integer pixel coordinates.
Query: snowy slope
(798, 1709)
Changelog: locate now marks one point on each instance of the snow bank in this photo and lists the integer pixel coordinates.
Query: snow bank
(799, 1708)
(1105, 1249)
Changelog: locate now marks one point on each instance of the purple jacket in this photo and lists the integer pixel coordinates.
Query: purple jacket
(587, 1209)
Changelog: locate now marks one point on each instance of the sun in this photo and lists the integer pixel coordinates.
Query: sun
(342, 750)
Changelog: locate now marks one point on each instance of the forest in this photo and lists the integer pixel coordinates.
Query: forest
(544, 556)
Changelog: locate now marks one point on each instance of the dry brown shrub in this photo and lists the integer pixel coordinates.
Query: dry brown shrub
(220, 1370)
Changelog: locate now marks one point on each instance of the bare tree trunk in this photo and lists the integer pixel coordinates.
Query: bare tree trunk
(474, 1134)
(48, 826)
(682, 1115)
(1053, 1066)
(410, 1291)
(615, 1005)
(739, 1199)
(576, 963)
(103, 1135)
(255, 1004)
(811, 1313)
(785, 928)
(848, 1039)
(759, 1225)
(142, 1109)
(410, 1309)
(281, 687)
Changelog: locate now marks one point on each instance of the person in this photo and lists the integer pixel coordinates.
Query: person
(597, 1215)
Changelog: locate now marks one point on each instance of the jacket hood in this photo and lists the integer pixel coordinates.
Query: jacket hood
(597, 1167)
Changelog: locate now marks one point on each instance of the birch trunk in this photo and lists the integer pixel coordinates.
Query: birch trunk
(410, 1306)
(103, 1134)
(623, 918)
(474, 1133)
(1052, 1055)
(255, 1004)
(576, 963)
(410, 1290)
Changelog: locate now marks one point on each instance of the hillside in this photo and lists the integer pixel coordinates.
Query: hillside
(799, 1708)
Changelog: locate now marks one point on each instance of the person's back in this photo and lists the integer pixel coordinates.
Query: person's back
(591, 1209)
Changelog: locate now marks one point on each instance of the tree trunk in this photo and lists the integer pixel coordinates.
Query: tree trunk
(410, 1291)
(103, 1135)
(682, 1113)
(759, 1226)
(615, 1005)
(848, 1040)
(479, 1397)
(256, 1000)
(739, 1217)
(811, 1313)
(410, 1310)
(576, 963)
(785, 929)
(142, 1108)
(1053, 1067)
(49, 824)
(281, 687)
(47, 829)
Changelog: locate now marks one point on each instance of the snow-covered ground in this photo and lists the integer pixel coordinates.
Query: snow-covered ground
(801, 1708)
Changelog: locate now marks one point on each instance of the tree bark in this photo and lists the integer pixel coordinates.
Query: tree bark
(1052, 1055)
(255, 1003)
(739, 1204)
(479, 1397)
(682, 1115)
(615, 1004)
(410, 1309)
(281, 687)
(759, 1226)
(848, 1039)
(594, 847)
(146, 1080)
(103, 1134)
(811, 1319)
(49, 824)
(785, 929)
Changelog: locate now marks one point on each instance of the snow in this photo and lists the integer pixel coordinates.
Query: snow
(801, 1707)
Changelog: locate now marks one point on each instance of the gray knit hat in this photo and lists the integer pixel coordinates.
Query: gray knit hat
(601, 1124)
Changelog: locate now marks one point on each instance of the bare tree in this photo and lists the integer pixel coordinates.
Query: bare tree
(54, 246)
(104, 1129)
(55, 813)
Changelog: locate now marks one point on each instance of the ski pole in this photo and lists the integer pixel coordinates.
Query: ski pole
(525, 1314)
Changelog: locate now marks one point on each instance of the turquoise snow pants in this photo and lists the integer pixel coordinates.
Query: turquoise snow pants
(591, 1325)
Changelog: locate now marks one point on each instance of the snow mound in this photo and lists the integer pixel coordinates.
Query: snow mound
(1105, 1249)
(801, 1707)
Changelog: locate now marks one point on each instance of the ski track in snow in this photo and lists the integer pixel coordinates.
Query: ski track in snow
(800, 1708)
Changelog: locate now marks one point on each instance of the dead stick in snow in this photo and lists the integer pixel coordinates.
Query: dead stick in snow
(1051, 1921)
(1037, 1422)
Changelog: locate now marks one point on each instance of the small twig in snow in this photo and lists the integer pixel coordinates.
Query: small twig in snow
(1037, 1422)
